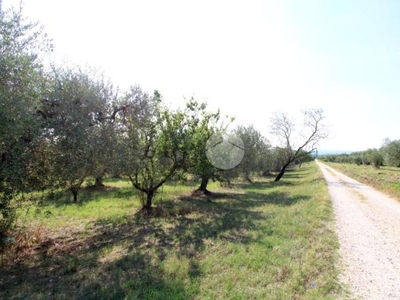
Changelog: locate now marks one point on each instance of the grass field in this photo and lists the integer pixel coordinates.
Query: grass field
(263, 240)
(384, 179)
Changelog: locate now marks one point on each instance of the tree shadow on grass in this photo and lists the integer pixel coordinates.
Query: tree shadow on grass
(274, 197)
(133, 276)
(61, 198)
(264, 185)
(295, 172)
(80, 276)
(124, 258)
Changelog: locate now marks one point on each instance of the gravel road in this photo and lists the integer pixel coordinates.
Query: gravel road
(368, 227)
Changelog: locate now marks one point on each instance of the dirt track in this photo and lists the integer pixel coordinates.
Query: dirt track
(368, 227)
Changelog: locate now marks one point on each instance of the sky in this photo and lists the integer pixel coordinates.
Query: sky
(248, 58)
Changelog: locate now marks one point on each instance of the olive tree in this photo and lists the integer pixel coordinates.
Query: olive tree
(391, 152)
(257, 156)
(303, 158)
(207, 126)
(279, 157)
(22, 48)
(374, 157)
(155, 142)
(75, 109)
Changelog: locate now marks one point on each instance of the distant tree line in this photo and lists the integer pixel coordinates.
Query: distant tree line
(387, 155)
(62, 125)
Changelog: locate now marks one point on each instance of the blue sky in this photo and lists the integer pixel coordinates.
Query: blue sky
(248, 58)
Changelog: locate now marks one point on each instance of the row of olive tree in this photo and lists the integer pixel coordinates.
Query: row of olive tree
(60, 126)
(388, 154)
(90, 131)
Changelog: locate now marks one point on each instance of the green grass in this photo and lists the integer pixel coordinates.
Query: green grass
(263, 240)
(385, 179)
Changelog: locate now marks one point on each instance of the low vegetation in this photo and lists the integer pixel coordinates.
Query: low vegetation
(260, 240)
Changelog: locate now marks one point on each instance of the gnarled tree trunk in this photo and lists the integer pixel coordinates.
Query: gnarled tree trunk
(99, 182)
(203, 185)
(75, 191)
(282, 171)
(149, 200)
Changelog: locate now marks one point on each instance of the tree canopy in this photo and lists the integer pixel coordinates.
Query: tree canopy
(21, 82)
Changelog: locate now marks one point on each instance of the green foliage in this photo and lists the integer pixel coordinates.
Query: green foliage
(303, 157)
(257, 155)
(206, 126)
(279, 157)
(356, 159)
(373, 157)
(344, 158)
(157, 144)
(76, 134)
(21, 77)
(391, 152)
